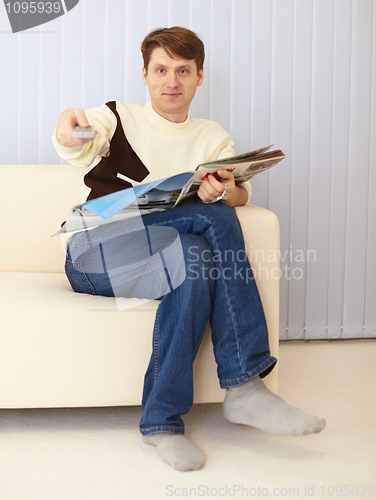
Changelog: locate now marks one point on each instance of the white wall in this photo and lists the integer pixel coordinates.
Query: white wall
(297, 73)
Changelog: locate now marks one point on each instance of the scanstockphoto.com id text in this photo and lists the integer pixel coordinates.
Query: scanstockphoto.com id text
(244, 491)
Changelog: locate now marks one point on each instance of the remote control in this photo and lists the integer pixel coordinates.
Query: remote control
(83, 132)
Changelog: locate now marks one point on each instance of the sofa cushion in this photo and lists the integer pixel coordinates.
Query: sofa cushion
(61, 348)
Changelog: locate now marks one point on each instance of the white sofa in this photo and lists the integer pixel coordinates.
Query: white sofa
(63, 349)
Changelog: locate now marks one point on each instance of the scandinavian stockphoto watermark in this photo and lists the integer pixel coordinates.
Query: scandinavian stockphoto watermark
(288, 264)
(28, 14)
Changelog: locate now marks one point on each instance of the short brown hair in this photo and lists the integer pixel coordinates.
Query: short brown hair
(176, 41)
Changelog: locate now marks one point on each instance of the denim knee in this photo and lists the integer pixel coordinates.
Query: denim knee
(198, 257)
(221, 213)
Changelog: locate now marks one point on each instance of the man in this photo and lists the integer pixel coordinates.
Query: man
(156, 140)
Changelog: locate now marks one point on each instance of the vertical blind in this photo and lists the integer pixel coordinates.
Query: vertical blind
(297, 73)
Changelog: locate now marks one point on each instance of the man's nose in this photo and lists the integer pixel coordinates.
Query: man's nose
(172, 80)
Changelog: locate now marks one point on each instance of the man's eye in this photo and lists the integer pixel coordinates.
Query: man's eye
(160, 70)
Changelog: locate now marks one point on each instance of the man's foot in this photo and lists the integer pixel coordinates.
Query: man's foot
(177, 451)
(253, 404)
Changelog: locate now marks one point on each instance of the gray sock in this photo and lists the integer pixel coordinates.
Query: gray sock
(254, 405)
(177, 450)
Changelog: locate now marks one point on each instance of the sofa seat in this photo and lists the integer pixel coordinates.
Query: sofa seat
(78, 349)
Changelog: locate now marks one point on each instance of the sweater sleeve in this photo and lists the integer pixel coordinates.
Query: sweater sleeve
(104, 123)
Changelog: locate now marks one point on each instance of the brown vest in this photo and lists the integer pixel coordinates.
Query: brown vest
(102, 179)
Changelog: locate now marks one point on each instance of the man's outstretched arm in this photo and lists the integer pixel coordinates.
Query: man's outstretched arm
(65, 125)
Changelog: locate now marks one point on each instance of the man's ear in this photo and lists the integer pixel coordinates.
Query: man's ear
(200, 77)
(144, 76)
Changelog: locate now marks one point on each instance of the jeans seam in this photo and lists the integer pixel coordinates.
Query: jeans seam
(160, 271)
(248, 376)
(199, 343)
(163, 428)
(77, 266)
(156, 348)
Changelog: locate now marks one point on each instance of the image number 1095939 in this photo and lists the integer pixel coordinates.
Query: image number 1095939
(28, 14)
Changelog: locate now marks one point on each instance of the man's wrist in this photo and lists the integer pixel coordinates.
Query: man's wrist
(238, 197)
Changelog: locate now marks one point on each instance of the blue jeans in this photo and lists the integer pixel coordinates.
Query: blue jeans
(217, 287)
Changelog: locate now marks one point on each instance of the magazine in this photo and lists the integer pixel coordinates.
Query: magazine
(167, 193)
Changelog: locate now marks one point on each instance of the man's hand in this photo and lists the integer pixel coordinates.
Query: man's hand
(67, 121)
(211, 188)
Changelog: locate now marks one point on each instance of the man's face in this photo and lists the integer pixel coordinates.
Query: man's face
(172, 84)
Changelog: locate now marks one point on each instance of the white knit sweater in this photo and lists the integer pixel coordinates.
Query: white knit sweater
(164, 147)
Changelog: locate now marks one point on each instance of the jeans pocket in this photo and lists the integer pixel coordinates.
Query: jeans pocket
(145, 279)
(77, 278)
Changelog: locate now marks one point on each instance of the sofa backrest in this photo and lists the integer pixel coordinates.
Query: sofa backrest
(34, 200)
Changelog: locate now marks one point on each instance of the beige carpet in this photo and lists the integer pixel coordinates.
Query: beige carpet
(97, 454)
